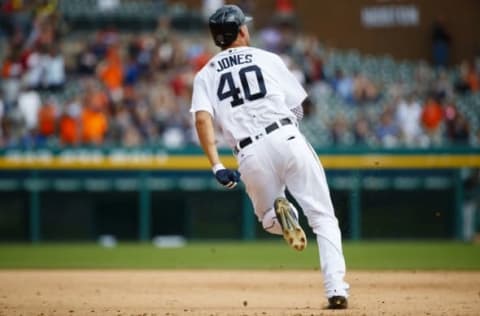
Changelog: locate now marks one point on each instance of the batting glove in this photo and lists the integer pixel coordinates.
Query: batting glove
(226, 177)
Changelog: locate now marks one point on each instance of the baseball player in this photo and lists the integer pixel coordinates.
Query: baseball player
(257, 103)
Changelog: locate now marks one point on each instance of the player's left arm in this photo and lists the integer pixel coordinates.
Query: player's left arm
(206, 135)
(298, 112)
(295, 94)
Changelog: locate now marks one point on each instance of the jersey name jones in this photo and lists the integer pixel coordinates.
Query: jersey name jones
(233, 60)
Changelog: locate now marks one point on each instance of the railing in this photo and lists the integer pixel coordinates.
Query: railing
(155, 169)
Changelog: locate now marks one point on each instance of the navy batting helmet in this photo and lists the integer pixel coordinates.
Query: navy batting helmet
(225, 23)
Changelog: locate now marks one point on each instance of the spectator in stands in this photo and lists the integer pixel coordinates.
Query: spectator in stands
(141, 52)
(86, 61)
(311, 62)
(363, 88)
(111, 73)
(131, 98)
(94, 126)
(201, 59)
(95, 96)
(163, 104)
(181, 84)
(11, 77)
(408, 115)
(32, 139)
(35, 68)
(339, 130)
(29, 104)
(132, 71)
(362, 131)
(271, 38)
(473, 79)
(343, 86)
(174, 137)
(131, 137)
(43, 33)
(469, 80)
(70, 124)
(431, 118)
(387, 131)
(120, 120)
(423, 78)
(46, 20)
(94, 119)
(159, 57)
(441, 41)
(144, 122)
(450, 112)
(459, 131)
(54, 71)
(396, 90)
(163, 30)
(102, 41)
(461, 84)
(47, 117)
(13, 126)
(442, 87)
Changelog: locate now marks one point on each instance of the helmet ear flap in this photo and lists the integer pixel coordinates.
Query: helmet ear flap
(225, 24)
(224, 34)
(219, 39)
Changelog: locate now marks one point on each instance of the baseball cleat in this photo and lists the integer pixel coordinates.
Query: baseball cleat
(337, 302)
(292, 232)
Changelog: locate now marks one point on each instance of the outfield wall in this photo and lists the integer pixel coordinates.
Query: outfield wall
(80, 194)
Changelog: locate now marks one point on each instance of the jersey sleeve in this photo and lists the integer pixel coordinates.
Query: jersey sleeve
(294, 92)
(200, 99)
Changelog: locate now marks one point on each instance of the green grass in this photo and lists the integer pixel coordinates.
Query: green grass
(238, 255)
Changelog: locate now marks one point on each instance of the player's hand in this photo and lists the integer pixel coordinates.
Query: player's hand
(226, 177)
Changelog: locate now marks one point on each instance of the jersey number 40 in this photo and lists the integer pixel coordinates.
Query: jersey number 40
(228, 89)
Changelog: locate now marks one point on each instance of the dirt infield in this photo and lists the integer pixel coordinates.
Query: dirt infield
(209, 292)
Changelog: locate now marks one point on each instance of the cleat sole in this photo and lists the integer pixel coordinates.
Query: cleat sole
(292, 232)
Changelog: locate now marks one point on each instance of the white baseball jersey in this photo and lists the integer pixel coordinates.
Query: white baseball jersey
(245, 89)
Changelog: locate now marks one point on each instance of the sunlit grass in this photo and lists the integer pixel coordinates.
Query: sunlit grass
(239, 255)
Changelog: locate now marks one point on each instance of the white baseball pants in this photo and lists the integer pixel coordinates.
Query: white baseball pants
(283, 159)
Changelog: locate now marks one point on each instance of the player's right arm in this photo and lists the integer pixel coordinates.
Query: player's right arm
(203, 110)
(206, 135)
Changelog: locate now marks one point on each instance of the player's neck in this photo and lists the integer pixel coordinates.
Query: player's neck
(233, 46)
(240, 42)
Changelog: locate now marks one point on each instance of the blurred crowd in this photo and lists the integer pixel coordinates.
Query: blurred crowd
(111, 88)
(422, 114)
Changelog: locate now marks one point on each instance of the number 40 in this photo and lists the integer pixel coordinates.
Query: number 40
(234, 92)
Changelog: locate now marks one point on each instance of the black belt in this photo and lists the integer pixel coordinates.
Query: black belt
(270, 128)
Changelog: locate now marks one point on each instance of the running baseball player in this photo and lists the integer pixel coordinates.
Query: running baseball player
(257, 103)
